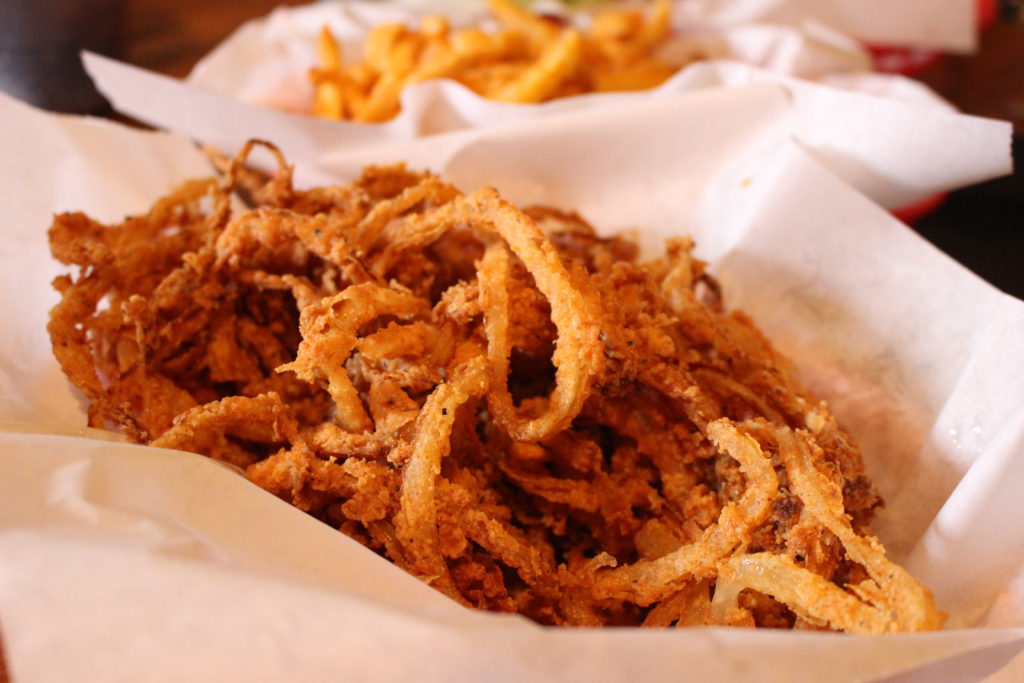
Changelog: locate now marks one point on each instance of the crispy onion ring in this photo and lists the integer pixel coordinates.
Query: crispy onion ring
(577, 356)
(329, 333)
(891, 601)
(416, 522)
(649, 581)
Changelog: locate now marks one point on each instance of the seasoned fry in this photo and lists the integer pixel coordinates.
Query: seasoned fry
(529, 59)
(499, 401)
(328, 79)
(542, 78)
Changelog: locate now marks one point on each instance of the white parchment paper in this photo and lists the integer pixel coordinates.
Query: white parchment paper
(128, 563)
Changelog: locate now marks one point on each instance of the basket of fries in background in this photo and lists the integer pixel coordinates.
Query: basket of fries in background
(509, 52)
(383, 72)
(864, 126)
(530, 57)
(564, 315)
(359, 61)
(527, 58)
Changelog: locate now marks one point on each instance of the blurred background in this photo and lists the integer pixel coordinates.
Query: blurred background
(979, 225)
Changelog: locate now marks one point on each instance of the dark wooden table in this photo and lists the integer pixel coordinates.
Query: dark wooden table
(980, 226)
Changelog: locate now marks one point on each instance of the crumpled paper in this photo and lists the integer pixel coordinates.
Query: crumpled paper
(869, 128)
(130, 563)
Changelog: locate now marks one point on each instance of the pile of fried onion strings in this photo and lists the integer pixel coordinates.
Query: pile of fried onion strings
(502, 403)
